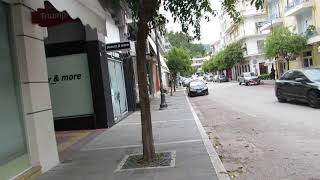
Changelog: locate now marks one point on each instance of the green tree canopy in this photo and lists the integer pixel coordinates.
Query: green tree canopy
(225, 59)
(178, 61)
(183, 40)
(283, 43)
(233, 54)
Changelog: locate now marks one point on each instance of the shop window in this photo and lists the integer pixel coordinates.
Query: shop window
(308, 62)
(67, 74)
(260, 45)
(307, 59)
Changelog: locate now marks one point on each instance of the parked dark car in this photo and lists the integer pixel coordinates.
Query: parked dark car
(196, 88)
(300, 85)
(249, 78)
(222, 78)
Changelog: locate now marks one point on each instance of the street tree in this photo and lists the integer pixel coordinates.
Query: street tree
(183, 40)
(232, 55)
(205, 66)
(225, 59)
(218, 62)
(284, 45)
(146, 14)
(179, 61)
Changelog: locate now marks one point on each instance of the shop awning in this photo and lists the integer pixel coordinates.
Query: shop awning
(162, 59)
(89, 12)
(164, 65)
(269, 62)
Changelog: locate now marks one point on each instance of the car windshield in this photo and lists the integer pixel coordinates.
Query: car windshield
(248, 74)
(313, 74)
(196, 83)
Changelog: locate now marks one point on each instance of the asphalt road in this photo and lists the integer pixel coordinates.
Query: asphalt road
(258, 136)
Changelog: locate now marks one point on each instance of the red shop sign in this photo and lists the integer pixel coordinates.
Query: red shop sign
(50, 17)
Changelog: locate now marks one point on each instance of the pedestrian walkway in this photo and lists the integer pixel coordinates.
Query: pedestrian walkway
(174, 129)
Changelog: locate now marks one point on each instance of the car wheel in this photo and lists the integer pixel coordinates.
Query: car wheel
(280, 97)
(313, 99)
(207, 93)
(246, 83)
(240, 83)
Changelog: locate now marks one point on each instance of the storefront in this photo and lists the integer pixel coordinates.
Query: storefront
(87, 84)
(49, 74)
(118, 88)
(14, 156)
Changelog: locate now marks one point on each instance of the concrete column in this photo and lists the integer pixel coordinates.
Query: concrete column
(32, 74)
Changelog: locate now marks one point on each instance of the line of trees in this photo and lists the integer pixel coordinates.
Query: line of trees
(225, 59)
(146, 16)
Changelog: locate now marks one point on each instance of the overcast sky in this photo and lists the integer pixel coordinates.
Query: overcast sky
(209, 30)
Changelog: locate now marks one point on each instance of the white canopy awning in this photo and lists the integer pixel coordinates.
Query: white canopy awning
(162, 59)
(89, 12)
(164, 64)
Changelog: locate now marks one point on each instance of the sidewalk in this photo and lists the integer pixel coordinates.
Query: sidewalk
(174, 129)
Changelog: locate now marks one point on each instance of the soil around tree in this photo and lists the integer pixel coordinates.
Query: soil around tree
(136, 161)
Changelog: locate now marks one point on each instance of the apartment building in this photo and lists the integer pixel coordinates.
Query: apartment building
(198, 62)
(248, 33)
(302, 17)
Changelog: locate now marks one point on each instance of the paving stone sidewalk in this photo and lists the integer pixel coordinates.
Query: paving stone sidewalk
(174, 129)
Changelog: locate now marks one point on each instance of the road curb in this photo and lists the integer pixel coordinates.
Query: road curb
(215, 160)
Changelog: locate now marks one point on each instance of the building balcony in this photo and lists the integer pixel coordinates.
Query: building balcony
(298, 6)
(313, 37)
(273, 22)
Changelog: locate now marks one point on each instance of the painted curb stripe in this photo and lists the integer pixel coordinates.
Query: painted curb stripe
(215, 160)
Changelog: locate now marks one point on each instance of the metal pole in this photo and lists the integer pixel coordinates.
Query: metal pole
(163, 103)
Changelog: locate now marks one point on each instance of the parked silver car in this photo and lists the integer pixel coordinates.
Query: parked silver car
(249, 78)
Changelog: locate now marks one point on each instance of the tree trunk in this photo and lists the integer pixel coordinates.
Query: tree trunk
(175, 82)
(146, 125)
(171, 86)
(288, 64)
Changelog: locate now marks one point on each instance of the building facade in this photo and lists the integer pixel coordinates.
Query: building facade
(198, 62)
(56, 74)
(249, 35)
(301, 17)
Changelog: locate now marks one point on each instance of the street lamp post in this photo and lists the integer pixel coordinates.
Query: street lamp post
(163, 103)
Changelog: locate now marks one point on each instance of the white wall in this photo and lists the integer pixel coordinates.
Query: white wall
(112, 30)
(252, 46)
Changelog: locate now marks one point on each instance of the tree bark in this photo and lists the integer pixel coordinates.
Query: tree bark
(288, 64)
(146, 125)
(171, 86)
(174, 82)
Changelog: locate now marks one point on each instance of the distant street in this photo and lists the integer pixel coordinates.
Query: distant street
(252, 130)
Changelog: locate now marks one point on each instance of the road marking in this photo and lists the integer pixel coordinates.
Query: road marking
(215, 160)
(139, 145)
